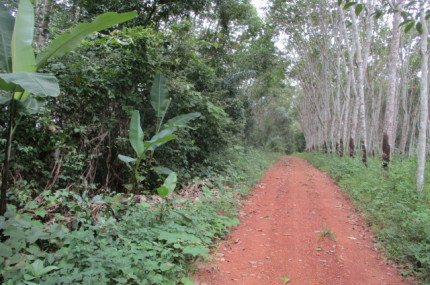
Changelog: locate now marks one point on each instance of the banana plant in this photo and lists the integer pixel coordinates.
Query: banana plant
(22, 89)
(164, 133)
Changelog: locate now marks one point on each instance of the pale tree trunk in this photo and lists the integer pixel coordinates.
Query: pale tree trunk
(346, 106)
(354, 123)
(404, 104)
(360, 83)
(371, 113)
(376, 120)
(346, 114)
(352, 86)
(388, 130)
(368, 35)
(412, 141)
(337, 118)
(421, 150)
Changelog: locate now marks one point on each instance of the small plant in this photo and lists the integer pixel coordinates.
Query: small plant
(326, 232)
(144, 150)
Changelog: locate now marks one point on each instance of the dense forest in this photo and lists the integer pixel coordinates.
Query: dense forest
(130, 130)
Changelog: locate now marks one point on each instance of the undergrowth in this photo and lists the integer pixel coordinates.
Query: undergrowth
(112, 239)
(388, 199)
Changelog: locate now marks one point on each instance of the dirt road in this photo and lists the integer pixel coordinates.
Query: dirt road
(298, 228)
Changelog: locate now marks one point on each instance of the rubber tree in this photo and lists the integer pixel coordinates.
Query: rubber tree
(360, 84)
(23, 89)
(422, 139)
(389, 119)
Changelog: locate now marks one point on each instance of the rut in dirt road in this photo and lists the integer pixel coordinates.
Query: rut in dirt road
(298, 226)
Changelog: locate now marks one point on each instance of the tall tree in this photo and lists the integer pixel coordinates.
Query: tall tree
(389, 120)
(360, 83)
(422, 139)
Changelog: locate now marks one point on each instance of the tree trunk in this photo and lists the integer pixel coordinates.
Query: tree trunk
(405, 109)
(388, 130)
(360, 83)
(421, 150)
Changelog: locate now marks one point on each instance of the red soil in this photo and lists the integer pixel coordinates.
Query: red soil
(280, 236)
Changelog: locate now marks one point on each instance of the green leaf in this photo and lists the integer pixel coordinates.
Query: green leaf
(162, 170)
(159, 96)
(47, 269)
(33, 249)
(41, 212)
(409, 26)
(23, 59)
(166, 266)
(7, 86)
(58, 231)
(404, 14)
(358, 9)
(182, 120)
(36, 267)
(70, 40)
(32, 205)
(35, 234)
(170, 182)
(98, 199)
(285, 279)
(339, 2)
(349, 4)
(4, 100)
(161, 138)
(406, 22)
(135, 135)
(187, 281)
(31, 105)
(126, 158)
(41, 84)
(7, 23)
(5, 251)
(196, 250)
(163, 191)
(169, 185)
(378, 14)
(28, 277)
(419, 28)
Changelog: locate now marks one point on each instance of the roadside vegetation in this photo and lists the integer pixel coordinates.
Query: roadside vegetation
(398, 214)
(121, 238)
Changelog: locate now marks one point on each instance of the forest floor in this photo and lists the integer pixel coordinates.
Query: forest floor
(297, 227)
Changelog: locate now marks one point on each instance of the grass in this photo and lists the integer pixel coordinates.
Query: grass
(326, 232)
(388, 200)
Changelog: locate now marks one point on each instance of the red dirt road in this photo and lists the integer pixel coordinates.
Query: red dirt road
(280, 236)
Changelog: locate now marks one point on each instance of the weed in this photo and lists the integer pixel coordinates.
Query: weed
(326, 232)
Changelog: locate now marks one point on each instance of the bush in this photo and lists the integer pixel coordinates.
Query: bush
(114, 240)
